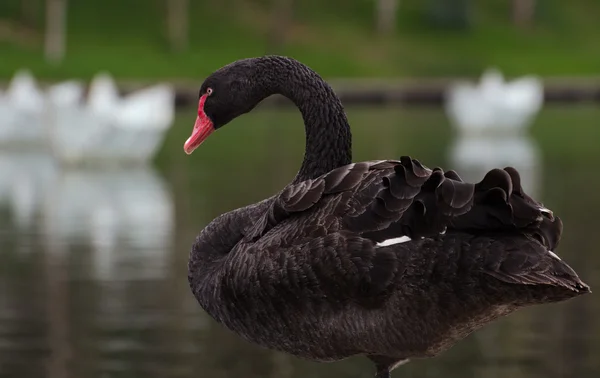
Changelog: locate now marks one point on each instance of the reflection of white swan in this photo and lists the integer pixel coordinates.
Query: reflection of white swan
(473, 156)
(126, 215)
(494, 103)
(24, 178)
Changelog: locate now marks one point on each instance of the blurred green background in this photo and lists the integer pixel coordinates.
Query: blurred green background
(339, 38)
(93, 260)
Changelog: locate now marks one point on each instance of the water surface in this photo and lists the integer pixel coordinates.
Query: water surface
(93, 263)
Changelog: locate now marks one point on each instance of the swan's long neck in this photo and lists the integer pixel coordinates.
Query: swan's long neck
(328, 146)
(328, 137)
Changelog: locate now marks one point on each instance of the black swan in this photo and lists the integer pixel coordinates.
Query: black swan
(387, 259)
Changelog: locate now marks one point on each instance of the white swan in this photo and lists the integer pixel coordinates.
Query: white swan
(142, 119)
(111, 128)
(82, 131)
(103, 96)
(21, 110)
(64, 95)
(494, 104)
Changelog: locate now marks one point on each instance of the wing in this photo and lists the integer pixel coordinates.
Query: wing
(374, 201)
(386, 199)
(372, 194)
(304, 195)
(339, 267)
(342, 268)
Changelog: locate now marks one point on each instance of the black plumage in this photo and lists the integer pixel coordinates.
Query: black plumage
(311, 271)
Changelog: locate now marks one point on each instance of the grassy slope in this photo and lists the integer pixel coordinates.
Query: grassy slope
(335, 37)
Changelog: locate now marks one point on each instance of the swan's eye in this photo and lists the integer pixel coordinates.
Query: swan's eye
(209, 91)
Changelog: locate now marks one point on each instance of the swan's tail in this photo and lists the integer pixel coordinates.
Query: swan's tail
(523, 261)
(499, 204)
(434, 201)
(521, 232)
(525, 235)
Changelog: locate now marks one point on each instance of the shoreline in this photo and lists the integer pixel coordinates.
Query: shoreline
(384, 91)
(407, 92)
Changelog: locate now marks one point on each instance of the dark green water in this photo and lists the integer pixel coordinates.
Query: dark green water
(93, 263)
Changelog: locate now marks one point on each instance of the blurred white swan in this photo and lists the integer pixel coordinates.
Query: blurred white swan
(494, 103)
(64, 95)
(107, 127)
(103, 96)
(113, 128)
(21, 111)
(143, 118)
(80, 131)
(26, 110)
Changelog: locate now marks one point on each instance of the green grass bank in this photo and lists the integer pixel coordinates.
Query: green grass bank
(335, 37)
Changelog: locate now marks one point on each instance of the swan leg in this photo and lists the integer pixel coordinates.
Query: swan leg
(385, 365)
(385, 373)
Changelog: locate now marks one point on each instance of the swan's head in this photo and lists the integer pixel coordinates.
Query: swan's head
(226, 94)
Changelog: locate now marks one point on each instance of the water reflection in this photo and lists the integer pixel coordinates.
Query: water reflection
(126, 215)
(474, 155)
(24, 178)
(102, 291)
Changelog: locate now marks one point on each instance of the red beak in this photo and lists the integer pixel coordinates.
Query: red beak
(202, 129)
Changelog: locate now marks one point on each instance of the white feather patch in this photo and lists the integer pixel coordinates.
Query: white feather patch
(554, 255)
(401, 239)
